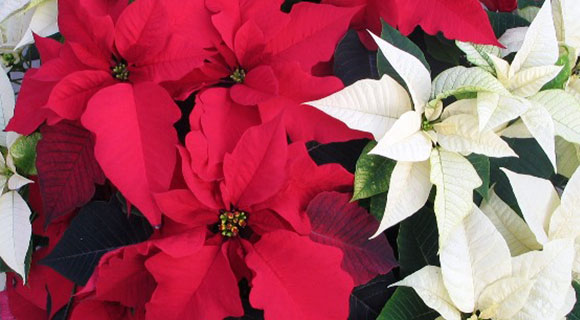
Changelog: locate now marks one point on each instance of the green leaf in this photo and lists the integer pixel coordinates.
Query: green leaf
(24, 153)
(567, 59)
(372, 174)
(395, 38)
(482, 166)
(405, 304)
(418, 242)
(528, 3)
(575, 314)
(378, 204)
(443, 49)
(501, 21)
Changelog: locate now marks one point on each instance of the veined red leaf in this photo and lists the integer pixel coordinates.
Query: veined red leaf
(135, 140)
(67, 169)
(345, 225)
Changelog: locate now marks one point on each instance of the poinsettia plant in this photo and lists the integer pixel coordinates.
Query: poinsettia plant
(334, 159)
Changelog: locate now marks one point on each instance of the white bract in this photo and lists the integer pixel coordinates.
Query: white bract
(547, 216)
(477, 273)
(411, 129)
(543, 114)
(7, 103)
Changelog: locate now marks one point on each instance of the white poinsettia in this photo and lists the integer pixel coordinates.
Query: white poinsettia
(7, 104)
(547, 216)
(19, 19)
(543, 114)
(566, 13)
(479, 277)
(410, 129)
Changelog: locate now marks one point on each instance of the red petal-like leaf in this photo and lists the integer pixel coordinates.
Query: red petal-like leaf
(69, 97)
(464, 20)
(200, 286)
(297, 278)
(259, 85)
(312, 34)
(345, 225)
(255, 170)
(142, 29)
(67, 169)
(136, 140)
(501, 5)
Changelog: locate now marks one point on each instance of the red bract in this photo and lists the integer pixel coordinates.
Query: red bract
(112, 51)
(501, 5)
(258, 41)
(259, 201)
(463, 20)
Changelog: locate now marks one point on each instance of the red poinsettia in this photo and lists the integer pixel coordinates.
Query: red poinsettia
(463, 20)
(501, 5)
(251, 223)
(107, 74)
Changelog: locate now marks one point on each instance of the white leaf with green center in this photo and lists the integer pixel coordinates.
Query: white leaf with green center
(502, 69)
(564, 110)
(550, 271)
(567, 157)
(6, 105)
(505, 297)
(408, 191)
(512, 40)
(494, 110)
(476, 255)
(455, 179)
(461, 79)
(15, 231)
(411, 70)
(537, 199)
(565, 222)
(529, 81)
(468, 139)
(518, 236)
(540, 47)
(478, 54)
(405, 141)
(540, 124)
(428, 283)
(43, 22)
(367, 105)
(463, 106)
(566, 13)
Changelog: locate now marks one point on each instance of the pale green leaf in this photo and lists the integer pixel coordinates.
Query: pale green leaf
(468, 139)
(428, 283)
(15, 231)
(537, 199)
(461, 80)
(478, 54)
(411, 70)
(455, 179)
(476, 255)
(367, 105)
(564, 110)
(409, 189)
(529, 13)
(540, 47)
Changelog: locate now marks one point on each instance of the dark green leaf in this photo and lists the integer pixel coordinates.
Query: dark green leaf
(99, 227)
(501, 21)
(378, 203)
(366, 301)
(443, 49)
(418, 242)
(394, 37)
(352, 61)
(575, 314)
(527, 3)
(372, 173)
(343, 153)
(405, 304)
(481, 165)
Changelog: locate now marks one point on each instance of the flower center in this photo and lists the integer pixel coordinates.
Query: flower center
(231, 222)
(238, 75)
(120, 71)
